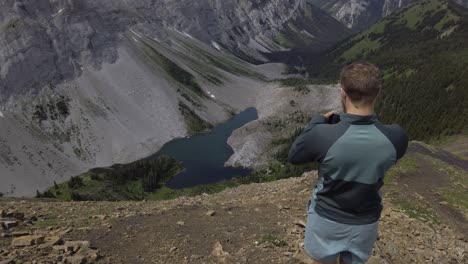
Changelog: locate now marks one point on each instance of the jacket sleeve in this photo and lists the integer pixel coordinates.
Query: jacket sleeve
(402, 143)
(303, 150)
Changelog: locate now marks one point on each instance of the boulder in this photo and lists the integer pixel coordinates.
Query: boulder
(20, 233)
(9, 224)
(210, 213)
(25, 241)
(7, 261)
(53, 240)
(90, 255)
(218, 250)
(75, 246)
(75, 260)
(58, 249)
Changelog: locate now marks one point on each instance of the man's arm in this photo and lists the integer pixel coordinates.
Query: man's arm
(402, 143)
(303, 150)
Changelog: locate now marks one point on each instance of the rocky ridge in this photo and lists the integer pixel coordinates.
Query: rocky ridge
(257, 223)
(360, 14)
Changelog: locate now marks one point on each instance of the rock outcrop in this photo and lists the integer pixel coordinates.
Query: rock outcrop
(360, 14)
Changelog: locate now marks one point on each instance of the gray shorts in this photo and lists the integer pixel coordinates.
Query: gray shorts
(325, 240)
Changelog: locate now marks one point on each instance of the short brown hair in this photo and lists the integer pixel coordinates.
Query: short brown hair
(361, 82)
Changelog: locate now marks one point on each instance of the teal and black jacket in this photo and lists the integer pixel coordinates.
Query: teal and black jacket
(353, 157)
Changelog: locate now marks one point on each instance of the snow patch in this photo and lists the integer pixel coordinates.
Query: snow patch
(215, 45)
(134, 32)
(211, 95)
(187, 35)
(58, 13)
(305, 32)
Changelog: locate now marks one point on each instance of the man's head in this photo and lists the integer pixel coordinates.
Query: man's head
(360, 84)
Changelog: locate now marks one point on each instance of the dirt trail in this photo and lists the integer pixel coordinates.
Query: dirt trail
(425, 184)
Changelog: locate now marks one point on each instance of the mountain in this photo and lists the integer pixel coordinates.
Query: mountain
(360, 14)
(462, 2)
(422, 54)
(87, 84)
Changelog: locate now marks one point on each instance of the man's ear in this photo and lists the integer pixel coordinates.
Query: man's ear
(343, 93)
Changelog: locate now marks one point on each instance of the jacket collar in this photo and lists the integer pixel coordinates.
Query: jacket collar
(358, 119)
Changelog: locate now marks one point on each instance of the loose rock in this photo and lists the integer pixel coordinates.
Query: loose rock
(211, 213)
(218, 250)
(25, 241)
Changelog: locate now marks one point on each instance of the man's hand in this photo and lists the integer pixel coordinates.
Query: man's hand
(327, 115)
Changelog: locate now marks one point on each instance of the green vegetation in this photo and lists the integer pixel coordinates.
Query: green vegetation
(414, 16)
(276, 171)
(12, 25)
(194, 123)
(180, 75)
(204, 59)
(424, 89)
(274, 240)
(362, 48)
(404, 166)
(299, 85)
(456, 192)
(417, 211)
(412, 208)
(54, 109)
(133, 181)
(123, 182)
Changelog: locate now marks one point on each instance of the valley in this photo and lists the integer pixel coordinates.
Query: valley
(114, 86)
(158, 131)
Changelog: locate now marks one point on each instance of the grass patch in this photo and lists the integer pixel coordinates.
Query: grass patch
(361, 49)
(404, 166)
(274, 240)
(180, 75)
(226, 63)
(282, 40)
(299, 85)
(47, 223)
(415, 14)
(133, 181)
(194, 123)
(456, 193)
(274, 172)
(417, 211)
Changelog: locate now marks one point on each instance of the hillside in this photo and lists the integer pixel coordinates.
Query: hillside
(261, 144)
(360, 14)
(425, 220)
(422, 53)
(92, 83)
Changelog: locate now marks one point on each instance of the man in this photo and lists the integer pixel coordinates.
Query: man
(354, 155)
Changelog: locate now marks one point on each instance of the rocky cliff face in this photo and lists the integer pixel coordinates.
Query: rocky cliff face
(360, 14)
(462, 2)
(46, 42)
(91, 83)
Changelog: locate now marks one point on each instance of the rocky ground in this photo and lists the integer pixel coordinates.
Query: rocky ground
(258, 223)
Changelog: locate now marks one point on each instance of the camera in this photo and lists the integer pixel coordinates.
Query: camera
(334, 119)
